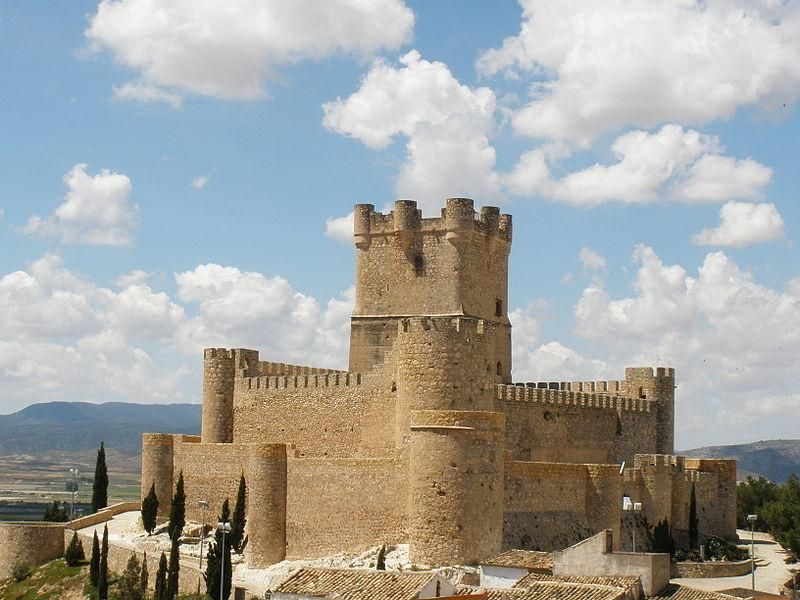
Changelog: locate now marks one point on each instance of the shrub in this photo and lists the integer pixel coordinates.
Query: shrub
(74, 554)
(21, 572)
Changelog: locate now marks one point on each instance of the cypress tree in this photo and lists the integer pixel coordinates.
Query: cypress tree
(143, 580)
(128, 586)
(177, 512)
(381, 562)
(694, 522)
(102, 578)
(173, 571)
(94, 562)
(100, 486)
(161, 579)
(74, 553)
(239, 517)
(150, 510)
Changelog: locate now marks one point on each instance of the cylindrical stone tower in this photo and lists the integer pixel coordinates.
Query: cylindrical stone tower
(218, 374)
(265, 473)
(456, 486)
(157, 468)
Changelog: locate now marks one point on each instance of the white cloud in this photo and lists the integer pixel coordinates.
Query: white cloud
(340, 228)
(143, 92)
(446, 124)
(96, 211)
(597, 66)
(591, 260)
(732, 341)
(675, 163)
(64, 337)
(230, 49)
(200, 182)
(246, 309)
(719, 178)
(743, 224)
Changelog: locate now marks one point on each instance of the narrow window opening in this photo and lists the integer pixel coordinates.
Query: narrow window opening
(419, 265)
(499, 368)
(498, 307)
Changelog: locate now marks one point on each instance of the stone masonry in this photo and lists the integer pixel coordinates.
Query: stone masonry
(426, 439)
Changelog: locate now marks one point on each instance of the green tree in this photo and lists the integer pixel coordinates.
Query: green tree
(143, 579)
(173, 570)
(100, 485)
(239, 517)
(381, 562)
(161, 579)
(128, 587)
(74, 554)
(94, 562)
(150, 510)
(177, 511)
(102, 578)
(55, 512)
(694, 521)
(751, 496)
(662, 538)
(214, 575)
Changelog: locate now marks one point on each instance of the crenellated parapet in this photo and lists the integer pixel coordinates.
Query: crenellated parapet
(592, 400)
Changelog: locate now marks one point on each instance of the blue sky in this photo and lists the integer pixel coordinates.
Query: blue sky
(179, 175)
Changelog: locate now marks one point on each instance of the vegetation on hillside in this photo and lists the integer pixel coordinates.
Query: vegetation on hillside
(777, 507)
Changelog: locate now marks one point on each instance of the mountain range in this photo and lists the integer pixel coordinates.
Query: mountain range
(72, 426)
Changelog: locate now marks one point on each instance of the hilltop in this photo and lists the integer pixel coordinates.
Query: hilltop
(774, 459)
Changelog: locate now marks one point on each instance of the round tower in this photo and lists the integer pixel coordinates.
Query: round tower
(265, 473)
(218, 375)
(445, 385)
(157, 468)
(456, 486)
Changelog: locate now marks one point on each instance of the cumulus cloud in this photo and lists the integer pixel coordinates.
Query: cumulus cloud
(340, 228)
(591, 260)
(446, 126)
(675, 163)
(743, 224)
(247, 309)
(732, 341)
(96, 211)
(65, 337)
(231, 49)
(598, 66)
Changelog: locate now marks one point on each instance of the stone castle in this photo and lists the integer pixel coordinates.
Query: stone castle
(426, 439)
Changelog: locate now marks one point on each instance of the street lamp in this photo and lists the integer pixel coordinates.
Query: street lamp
(752, 519)
(636, 509)
(223, 528)
(74, 490)
(203, 504)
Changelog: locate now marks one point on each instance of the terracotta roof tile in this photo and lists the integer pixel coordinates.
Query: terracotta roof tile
(622, 582)
(522, 559)
(553, 590)
(356, 584)
(681, 592)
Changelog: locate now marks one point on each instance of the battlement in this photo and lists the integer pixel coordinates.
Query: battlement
(613, 386)
(457, 218)
(289, 382)
(657, 373)
(266, 368)
(593, 400)
(465, 327)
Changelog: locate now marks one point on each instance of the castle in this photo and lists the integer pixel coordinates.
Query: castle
(426, 439)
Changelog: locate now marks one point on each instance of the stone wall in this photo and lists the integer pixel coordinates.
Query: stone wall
(713, 568)
(345, 504)
(28, 543)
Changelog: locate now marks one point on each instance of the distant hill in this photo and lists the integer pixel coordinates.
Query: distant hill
(774, 459)
(70, 426)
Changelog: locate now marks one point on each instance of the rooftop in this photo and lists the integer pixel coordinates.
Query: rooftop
(522, 559)
(352, 584)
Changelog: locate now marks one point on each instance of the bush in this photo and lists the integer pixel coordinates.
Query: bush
(21, 572)
(719, 549)
(683, 555)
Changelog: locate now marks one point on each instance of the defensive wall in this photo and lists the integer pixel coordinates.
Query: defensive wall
(28, 543)
(424, 439)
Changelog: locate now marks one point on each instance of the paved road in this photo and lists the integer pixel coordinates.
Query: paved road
(769, 578)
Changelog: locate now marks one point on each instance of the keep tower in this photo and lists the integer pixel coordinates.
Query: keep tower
(455, 265)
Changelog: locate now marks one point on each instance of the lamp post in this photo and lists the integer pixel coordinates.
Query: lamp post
(752, 519)
(222, 528)
(635, 508)
(203, 504)
(74, 490)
